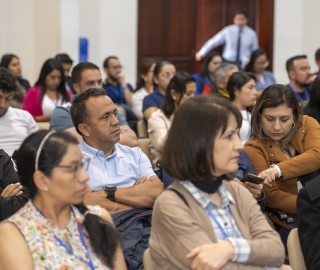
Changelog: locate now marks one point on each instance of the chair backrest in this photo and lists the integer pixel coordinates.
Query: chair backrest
(43, 125)
(296, 258)
(147, 261)
(142, 129)
(144, 144)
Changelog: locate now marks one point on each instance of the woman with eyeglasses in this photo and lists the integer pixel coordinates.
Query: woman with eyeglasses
(162, 74)
(181, 87)
(257, 65)
(55, 230)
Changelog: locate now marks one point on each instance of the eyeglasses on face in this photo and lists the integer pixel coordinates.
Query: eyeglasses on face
(76, 169)
(117, 67)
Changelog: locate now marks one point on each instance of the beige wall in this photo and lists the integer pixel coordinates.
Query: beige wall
(295, 32)
(37, 29)
(31, 30)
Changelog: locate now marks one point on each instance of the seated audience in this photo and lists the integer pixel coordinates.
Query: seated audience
(242, 90)
(206, 77)
(48, 92)
(84, 76)
(55, 230)
(117, 89)
(121, 177)
(298, 69)
(15, 124)
(144, 86)
(257, 65)
(205, 221)
(12, 63)
(284, 147)
(308, 211)
(162, 74)
(313, 107)
(66, 63)
(12, 194)
(221, 78)
(181, 87)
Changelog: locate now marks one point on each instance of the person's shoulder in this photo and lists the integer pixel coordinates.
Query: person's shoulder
(255, 142)
(34, 89)
(308, 121)
(22, 114)
(127, 150)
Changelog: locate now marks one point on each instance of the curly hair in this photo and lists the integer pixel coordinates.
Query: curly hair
(7, 81)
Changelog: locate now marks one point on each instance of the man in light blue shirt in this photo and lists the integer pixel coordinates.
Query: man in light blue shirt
(239, 41)
(121, 177)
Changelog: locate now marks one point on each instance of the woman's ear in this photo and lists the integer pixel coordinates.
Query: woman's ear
(236, 92)
(155, 79)
(41, 181)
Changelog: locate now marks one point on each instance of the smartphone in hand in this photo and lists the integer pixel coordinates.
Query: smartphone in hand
(252, 178)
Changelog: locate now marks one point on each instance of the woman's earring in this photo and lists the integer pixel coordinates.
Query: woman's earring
(293, 125)
(46, 189)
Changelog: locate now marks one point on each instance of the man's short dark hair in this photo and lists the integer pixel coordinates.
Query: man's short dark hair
(290, 65)
(78, 110)
(78, 69)
(106, 62)
(64, 58)
(240, 12)
(317, 55)
(7, 81)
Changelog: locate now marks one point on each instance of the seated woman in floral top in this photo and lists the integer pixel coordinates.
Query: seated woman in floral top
(55, 230)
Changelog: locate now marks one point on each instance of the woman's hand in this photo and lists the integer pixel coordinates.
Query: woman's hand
(11, 190)
(255, 189)
(211, 256)
(269, 175)
(284, 267)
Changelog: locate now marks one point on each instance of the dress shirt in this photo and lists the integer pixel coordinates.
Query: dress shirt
(229, 37)
(122, 168)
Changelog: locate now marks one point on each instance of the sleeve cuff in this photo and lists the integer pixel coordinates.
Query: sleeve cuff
(242, 249)
(278, 169)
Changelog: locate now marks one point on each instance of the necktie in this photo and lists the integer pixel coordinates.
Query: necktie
(238, 46)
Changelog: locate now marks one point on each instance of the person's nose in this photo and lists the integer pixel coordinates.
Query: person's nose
(114, 120)
(276, 125)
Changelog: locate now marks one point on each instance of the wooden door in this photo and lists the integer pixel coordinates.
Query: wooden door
(176, 29)
(166, 30)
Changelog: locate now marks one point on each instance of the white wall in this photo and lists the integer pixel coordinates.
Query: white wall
(38, 29)
(295, 32)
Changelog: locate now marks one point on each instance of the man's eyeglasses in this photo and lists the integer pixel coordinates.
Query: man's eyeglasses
(117, 67)
(75, 169)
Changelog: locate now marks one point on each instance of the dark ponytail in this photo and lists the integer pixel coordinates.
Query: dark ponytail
(103, 236)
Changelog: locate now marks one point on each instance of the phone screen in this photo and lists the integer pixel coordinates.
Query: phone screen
(252, 178)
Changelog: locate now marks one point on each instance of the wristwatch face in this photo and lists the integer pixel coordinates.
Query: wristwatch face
(111, 187)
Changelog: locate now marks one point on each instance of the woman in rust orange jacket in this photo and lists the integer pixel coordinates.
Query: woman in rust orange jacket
(283, 146)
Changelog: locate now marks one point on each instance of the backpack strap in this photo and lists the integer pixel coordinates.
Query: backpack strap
(180, 195)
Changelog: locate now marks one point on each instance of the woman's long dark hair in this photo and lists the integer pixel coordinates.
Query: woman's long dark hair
(103, 236)
(179, 84)
(48, 66)
(144, 69)
(205, 71)
(5, 61)
(254, 55)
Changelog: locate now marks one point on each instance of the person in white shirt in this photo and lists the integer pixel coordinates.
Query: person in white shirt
(144, 87)
(15, 124)
(243, 94)
(239, 41)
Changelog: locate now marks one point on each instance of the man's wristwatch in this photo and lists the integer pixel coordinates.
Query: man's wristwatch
(111, 190)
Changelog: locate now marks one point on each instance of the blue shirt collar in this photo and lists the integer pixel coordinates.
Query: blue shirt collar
(93, 152)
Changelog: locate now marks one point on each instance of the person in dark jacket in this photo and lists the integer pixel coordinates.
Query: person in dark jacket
(12, 195)
(313, 107)
(308, 212)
